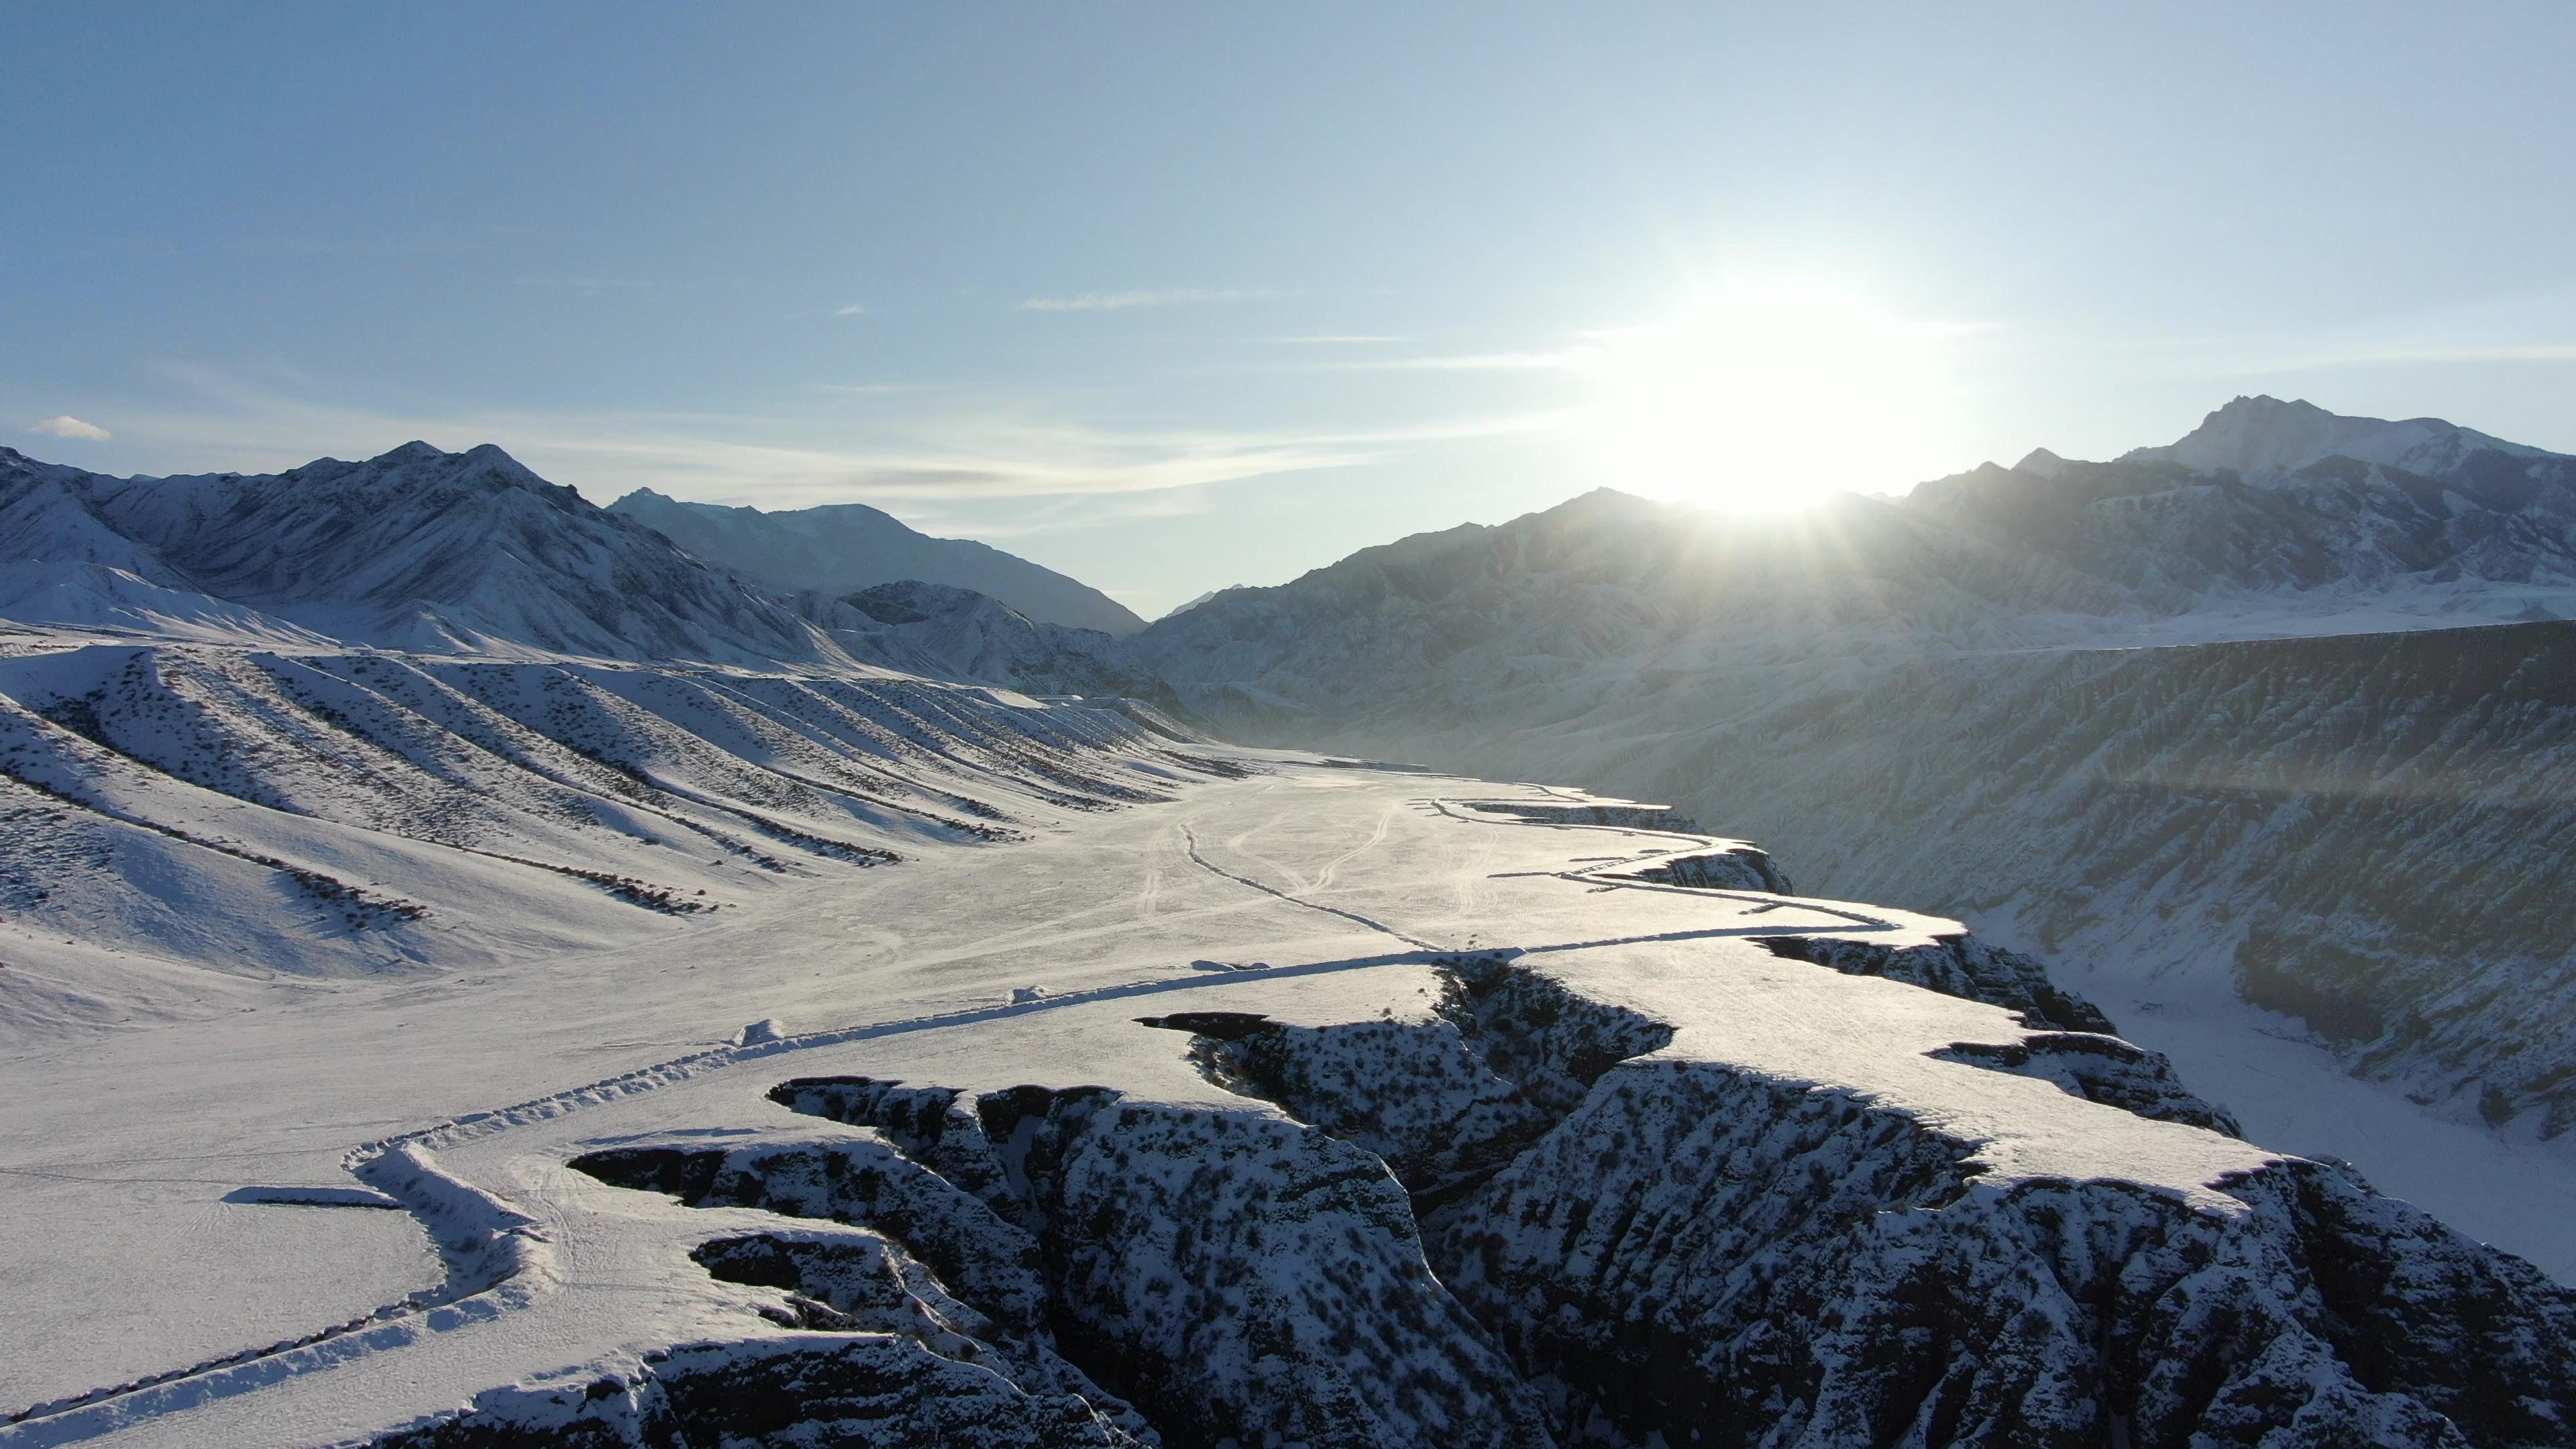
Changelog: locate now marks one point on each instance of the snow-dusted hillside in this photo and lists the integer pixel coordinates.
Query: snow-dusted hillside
(841, 548)
(189, 813)
(962, 634)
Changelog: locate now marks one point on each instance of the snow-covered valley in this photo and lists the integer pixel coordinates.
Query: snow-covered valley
(502, 980)
(1410, 1044)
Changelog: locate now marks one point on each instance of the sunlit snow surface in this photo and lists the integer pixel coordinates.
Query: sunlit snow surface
(909, 881)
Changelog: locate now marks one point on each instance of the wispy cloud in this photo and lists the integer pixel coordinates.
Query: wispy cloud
(64, 425)
(1168, 297)
(960, 452)
(2388, 356)
(1571, 359)
(1342, 338)
(855, 309)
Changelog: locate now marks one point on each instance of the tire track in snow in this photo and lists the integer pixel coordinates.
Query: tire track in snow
(1190, 842)
(1376, 838)
(484, 1290)
(442, 1203)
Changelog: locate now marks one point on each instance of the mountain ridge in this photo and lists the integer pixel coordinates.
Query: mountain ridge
(841, 548)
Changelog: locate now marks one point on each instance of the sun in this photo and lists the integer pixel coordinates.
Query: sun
(1770, 396)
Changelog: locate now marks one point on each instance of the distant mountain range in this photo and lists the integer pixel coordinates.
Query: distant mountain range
(2242, 529)
(417, 549)
(472, 554)
(841, 548)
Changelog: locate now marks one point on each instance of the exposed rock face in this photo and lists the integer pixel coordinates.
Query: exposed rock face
(1632, 1246)
(1955, 966)
(857, 1389)
(1264, 1282)
(1771, 1263)
(1718, 1257)
(1239, 1276)
(2101, 1069)
(1740, 870)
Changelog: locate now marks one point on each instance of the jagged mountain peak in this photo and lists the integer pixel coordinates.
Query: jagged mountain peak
(2262, 436)
(416, 545)
(2040, 463)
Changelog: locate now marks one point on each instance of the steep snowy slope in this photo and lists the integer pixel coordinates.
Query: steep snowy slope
(333, 815)
(413, 549)
(842, 548)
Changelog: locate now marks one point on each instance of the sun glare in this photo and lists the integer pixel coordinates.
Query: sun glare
(1769, 397)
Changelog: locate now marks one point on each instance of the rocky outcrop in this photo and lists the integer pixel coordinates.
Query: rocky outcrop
(1743, 869)
(2100, 1069)
(1954, 966)
(1239, 1277)
(1709, 1255)
(866, 1391)
(1531, 1218)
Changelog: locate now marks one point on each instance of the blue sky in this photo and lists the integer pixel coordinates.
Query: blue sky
(1171, 297)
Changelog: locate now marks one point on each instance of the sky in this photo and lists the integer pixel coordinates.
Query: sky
(1175, 297)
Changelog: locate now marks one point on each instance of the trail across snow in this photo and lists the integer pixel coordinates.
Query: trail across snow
(405, 1168)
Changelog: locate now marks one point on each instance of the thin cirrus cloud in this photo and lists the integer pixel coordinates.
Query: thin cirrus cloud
(1167, 297)
(1570, 359)
(2404, 355)
(960, 453)
(855, 309)
(64, 425)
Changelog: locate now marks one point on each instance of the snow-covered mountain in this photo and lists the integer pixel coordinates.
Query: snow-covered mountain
(416, 548)
(2295, 505)
(841, 548)
(471, 554)
(961, 634)
(1609, 588)
(2263, 437)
